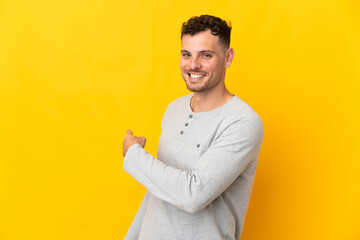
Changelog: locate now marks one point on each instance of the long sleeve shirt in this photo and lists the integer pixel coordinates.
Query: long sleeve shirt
(199, 185)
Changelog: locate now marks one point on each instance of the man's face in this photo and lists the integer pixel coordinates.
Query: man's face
(203, 61)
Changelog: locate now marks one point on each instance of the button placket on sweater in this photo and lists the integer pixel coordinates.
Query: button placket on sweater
(187, 123)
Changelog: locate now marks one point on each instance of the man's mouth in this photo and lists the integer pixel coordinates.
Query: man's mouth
(196, 75)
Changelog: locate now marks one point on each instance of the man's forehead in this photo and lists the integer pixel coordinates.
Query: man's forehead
(202, 43)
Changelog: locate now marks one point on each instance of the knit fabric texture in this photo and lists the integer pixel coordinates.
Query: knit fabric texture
(200, 184)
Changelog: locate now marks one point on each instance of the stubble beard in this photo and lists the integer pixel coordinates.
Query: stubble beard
(200, 88)
(196, 87)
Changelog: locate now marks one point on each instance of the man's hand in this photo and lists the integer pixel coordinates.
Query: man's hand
(130, 140)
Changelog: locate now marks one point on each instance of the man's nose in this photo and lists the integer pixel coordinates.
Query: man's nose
(195, 63)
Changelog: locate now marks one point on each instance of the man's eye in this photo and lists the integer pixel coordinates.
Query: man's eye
(206, 55)
(185, 55)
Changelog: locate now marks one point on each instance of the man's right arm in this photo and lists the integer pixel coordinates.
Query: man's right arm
(214, 172)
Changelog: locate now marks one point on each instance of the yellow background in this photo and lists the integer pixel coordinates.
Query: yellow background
(74, 75)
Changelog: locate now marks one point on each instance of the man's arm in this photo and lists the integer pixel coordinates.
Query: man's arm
(214, 172)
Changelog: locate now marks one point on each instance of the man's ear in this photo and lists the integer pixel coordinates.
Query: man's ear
(229, 56)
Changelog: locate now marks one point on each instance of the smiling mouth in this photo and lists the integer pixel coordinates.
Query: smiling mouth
(196, 75)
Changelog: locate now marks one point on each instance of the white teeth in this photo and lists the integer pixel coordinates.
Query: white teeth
(196, 75)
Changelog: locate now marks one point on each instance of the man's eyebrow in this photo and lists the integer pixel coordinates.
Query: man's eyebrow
(202, 51)
(207, 51)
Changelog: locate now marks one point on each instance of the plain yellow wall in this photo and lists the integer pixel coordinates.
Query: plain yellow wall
(74, 75)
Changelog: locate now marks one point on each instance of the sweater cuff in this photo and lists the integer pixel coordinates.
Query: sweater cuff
(131, 155)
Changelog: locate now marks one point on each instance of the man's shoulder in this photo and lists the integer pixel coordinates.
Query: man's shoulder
(238, 118)
(239, 113)
(239, 108)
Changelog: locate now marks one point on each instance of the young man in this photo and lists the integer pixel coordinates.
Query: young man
(200, 185)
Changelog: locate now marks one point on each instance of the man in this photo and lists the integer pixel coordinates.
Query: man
(200, 185)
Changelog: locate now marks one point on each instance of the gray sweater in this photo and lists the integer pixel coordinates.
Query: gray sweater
(200, 185)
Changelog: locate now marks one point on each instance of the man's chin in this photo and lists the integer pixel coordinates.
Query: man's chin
(194, 88)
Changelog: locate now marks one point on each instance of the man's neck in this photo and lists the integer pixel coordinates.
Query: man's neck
(205, 101)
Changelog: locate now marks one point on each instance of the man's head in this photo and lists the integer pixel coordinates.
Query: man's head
(217, 27)
(205, 53)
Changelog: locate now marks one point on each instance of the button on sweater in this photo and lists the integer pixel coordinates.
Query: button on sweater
(199, 185)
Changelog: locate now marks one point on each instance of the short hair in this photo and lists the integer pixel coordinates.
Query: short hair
(217, 26)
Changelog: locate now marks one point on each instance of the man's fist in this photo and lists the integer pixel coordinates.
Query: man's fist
(130, 140)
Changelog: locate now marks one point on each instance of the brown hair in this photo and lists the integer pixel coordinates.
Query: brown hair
(217, 26)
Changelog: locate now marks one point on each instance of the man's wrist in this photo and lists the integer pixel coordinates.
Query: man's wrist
(131, 148)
